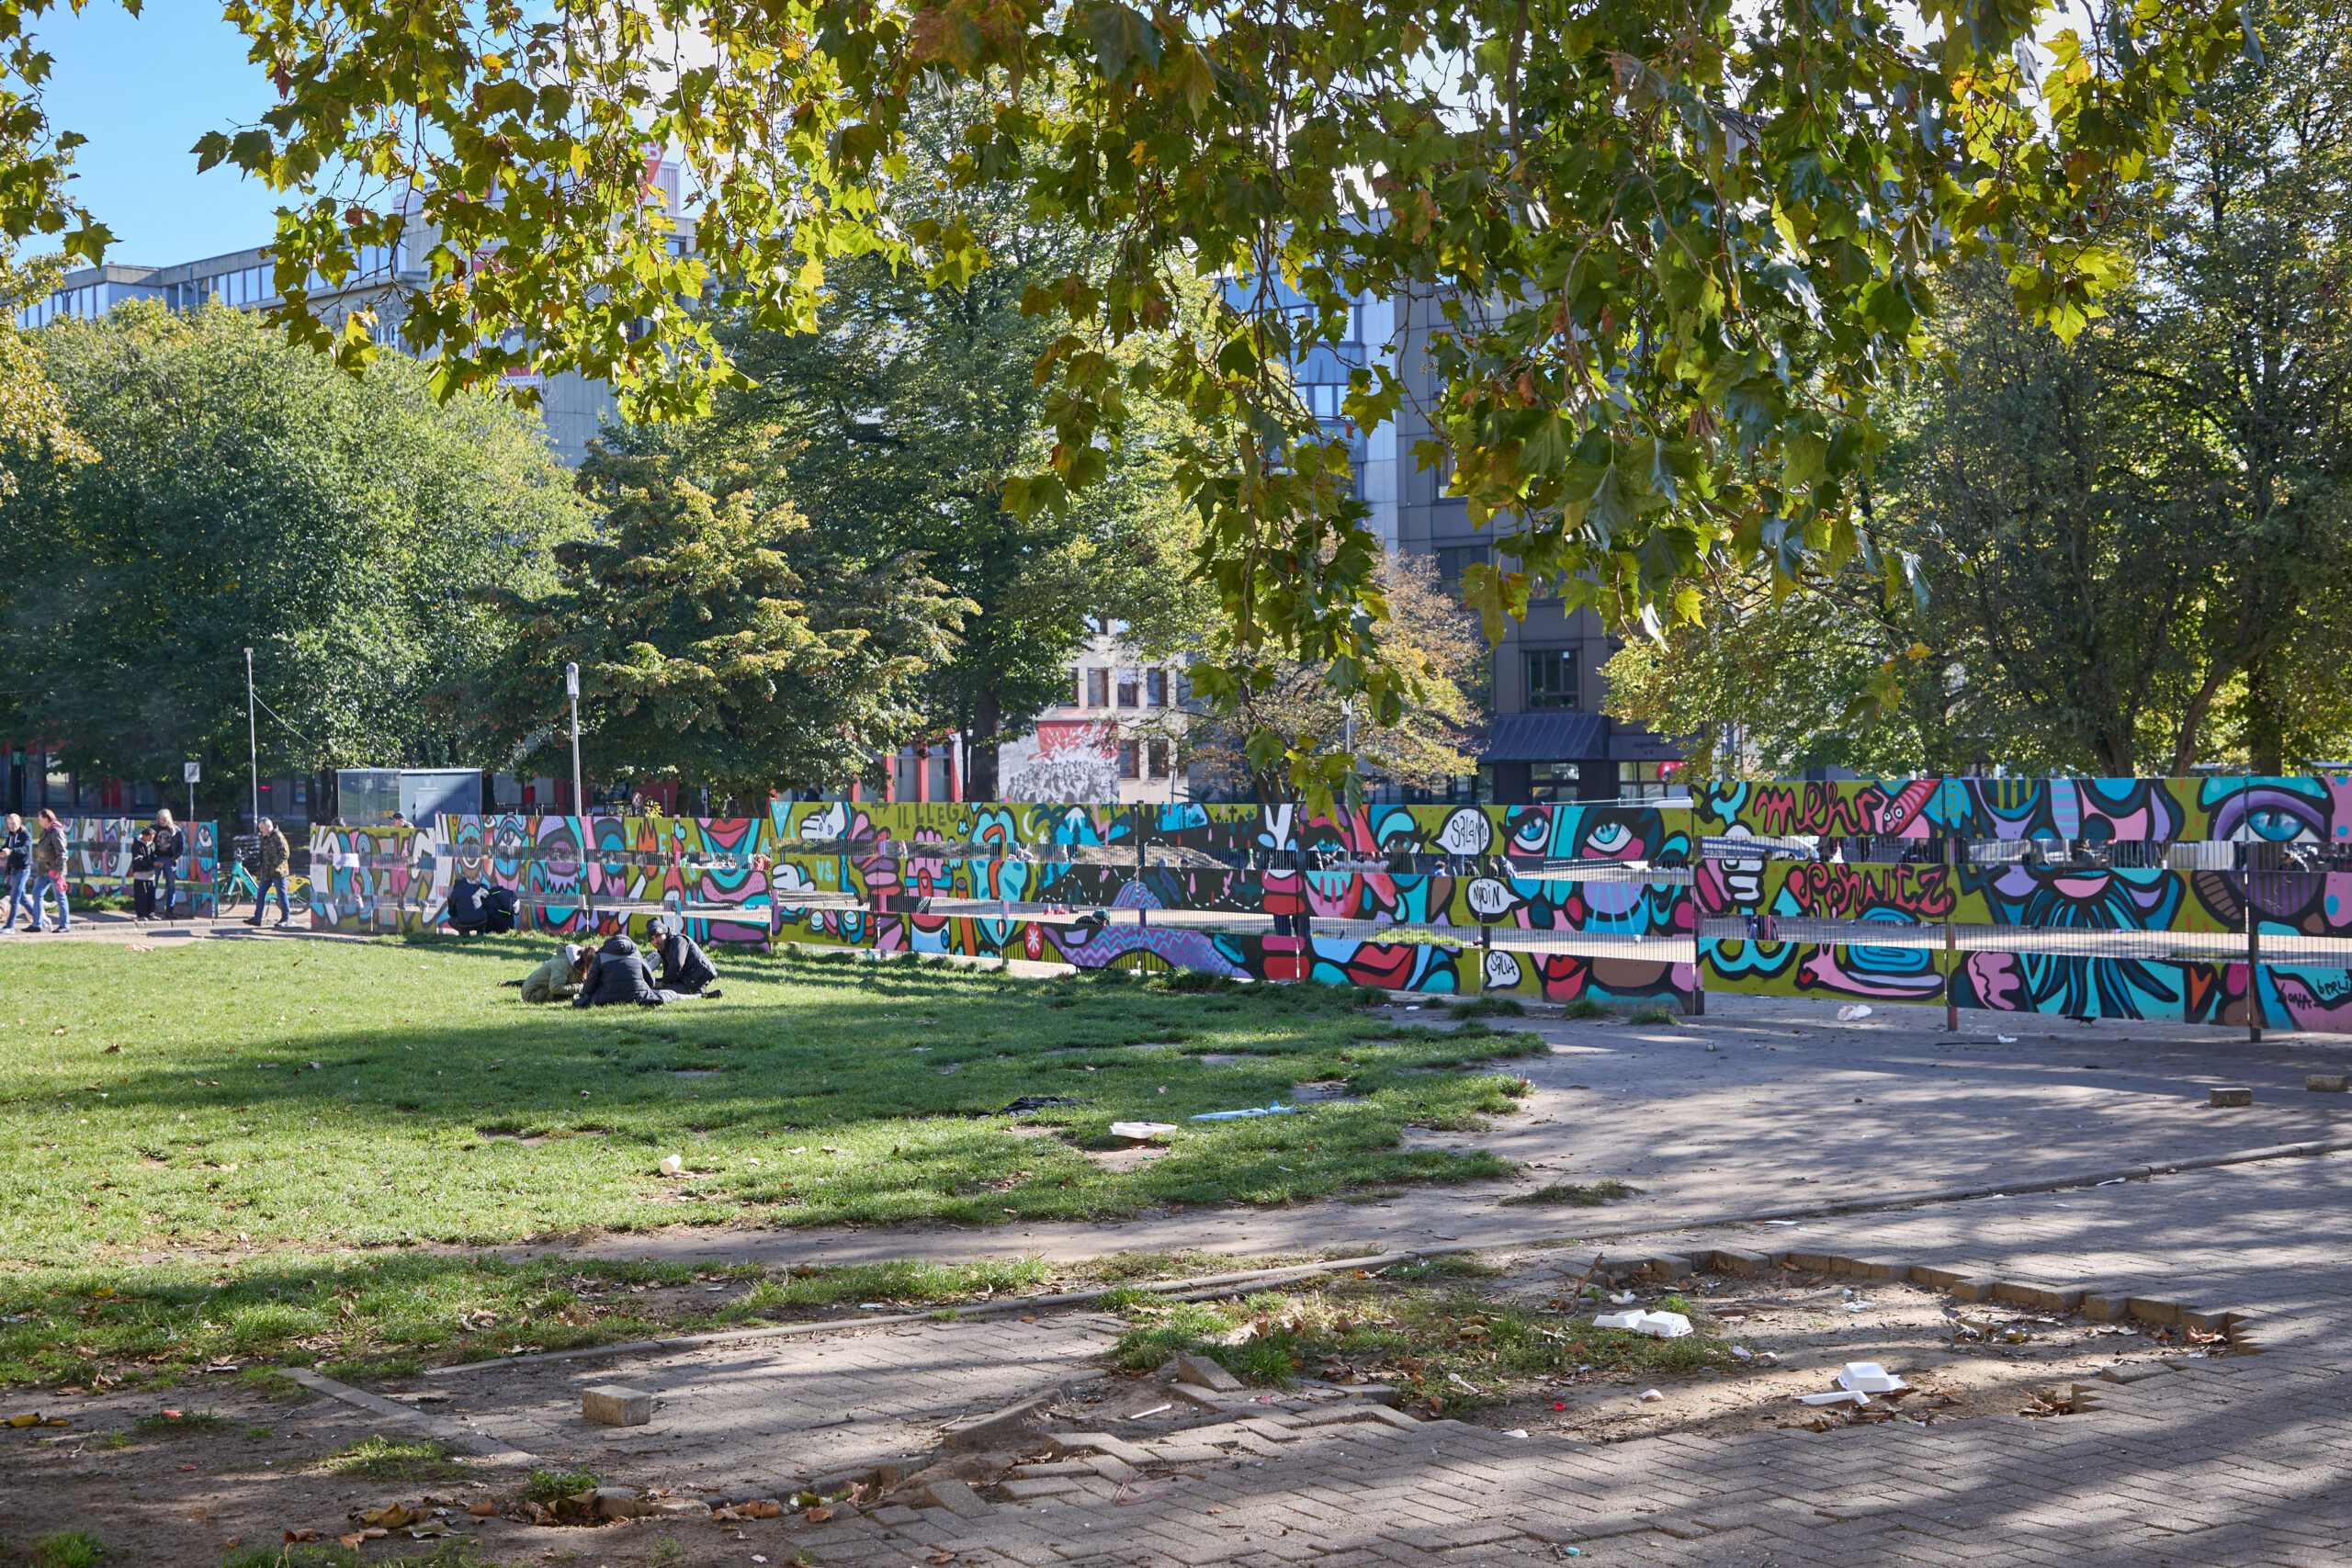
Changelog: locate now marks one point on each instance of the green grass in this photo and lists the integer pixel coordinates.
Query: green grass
(68, 1548)
(1414, 1330)
(1609, 1190)
(392, 1459)
(547, 1485)
(316, 1106)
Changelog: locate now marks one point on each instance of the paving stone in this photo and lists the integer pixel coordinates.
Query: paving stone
(613, 1405)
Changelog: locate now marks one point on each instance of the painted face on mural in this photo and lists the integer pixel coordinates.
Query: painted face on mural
(832, 822)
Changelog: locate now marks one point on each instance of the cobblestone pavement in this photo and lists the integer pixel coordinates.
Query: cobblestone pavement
(1789, 1109)
(2217, 1461)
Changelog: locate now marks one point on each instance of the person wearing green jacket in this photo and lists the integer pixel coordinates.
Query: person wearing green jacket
(272, 857)
(559, 977)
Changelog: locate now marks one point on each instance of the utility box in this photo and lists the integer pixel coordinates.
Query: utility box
(368, 797)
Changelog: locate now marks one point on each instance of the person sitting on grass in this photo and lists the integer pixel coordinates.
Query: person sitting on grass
(559, 977)
(621, 974)
(685, 968)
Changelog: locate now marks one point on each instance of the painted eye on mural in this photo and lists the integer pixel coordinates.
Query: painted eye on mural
(2270, 813)
(1466, 832)
(1608, 839)
(1531, 831)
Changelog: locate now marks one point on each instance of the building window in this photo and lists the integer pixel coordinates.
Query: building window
(1552, 679)
(1452, 559)
(1126, 688)
(1155, 688)
(1126, 759)
(1077, 697)
(1644, 781)
(1098, 688)
(1553, 781)
(1156, 759)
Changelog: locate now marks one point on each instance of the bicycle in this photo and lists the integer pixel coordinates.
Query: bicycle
(239, 882)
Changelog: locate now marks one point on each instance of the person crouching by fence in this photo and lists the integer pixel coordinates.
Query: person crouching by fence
(685, 968)
(170, 845)
(142, 877)
(272, 857)
(621, 974)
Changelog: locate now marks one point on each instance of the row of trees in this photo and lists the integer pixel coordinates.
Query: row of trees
(822, 567)
(2134, 549)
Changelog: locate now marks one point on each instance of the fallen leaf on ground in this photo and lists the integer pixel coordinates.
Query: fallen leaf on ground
(301, 1535)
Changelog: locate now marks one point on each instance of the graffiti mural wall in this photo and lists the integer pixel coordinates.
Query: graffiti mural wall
(97, 858)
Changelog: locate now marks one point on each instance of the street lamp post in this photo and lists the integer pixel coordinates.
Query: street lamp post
(253, 739)
(579, 799)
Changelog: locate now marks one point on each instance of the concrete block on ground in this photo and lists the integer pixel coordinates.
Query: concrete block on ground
(2149, 1309)
(1873, 1269)
(896, 1514)
(2111, 1304)
(1813, 1262)
(2222, 1099)
(998, 1428)
(610, 1405)
(2328, 1083)
(1666, 1266)
(1940, 1276)
(1111, 1468)
(1203, 1373)
(1979, 1289)
(2212, 1320)
(1386, 1417)
(2025, 1293)
(1098, 1442)
(1732, 1261)
(956, 1496)
(1024, 1490)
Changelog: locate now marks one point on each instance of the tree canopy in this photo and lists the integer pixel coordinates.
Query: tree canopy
(246, 493)
(2137, 546)
(719, 640)
(1687, 248)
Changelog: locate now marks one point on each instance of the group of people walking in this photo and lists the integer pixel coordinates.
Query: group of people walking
(36, 870)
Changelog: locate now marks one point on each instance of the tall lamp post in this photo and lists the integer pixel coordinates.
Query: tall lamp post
(253, 739)
(579, 799)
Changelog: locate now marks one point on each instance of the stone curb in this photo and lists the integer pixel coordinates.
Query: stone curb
(451, 1433)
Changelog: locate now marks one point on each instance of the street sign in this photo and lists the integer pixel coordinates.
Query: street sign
(191, 773)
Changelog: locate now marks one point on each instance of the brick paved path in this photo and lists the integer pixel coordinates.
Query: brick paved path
(2238, 1461)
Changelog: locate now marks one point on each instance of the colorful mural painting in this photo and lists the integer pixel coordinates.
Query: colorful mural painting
(2275, 811)
(97, 859)
(869, 876)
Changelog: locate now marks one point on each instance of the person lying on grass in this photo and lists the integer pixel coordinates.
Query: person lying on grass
(560, 977)
(621, 974)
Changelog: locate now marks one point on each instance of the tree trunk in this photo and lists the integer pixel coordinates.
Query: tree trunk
(2266, 739)
(987, 719)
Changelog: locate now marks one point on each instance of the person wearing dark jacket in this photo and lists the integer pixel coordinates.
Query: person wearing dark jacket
(142, 877)
(685, 968)
(171, 843)
(19, 844)
(272, 857)
(620, 974)
(49, 872)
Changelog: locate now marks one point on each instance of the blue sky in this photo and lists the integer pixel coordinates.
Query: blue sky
(143, 91)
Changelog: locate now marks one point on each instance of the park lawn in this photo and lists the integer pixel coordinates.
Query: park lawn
(300, 1100)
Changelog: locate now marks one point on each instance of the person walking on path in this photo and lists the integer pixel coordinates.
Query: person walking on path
(142, 877)
(49, 870)
(272, 857)
(170, 845)
(20, 868)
